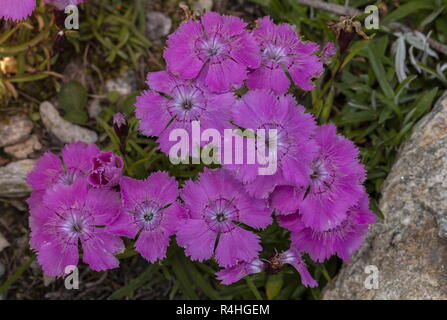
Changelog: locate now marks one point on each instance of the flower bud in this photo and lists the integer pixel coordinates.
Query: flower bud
(107, 170)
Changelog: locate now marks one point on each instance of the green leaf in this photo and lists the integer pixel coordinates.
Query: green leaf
(181, 275)
(134, 284)
(406, 10)
(274, 285)
(128, 105)
(424, 103)
(113, 96)
(73, 100)
(379, 70)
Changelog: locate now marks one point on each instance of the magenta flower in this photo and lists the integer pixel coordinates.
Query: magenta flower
(342, 240)
(329, 51)
(293, 257)
(335, 183)
(62, 4)
(151, 212)
(217, 205)
(261, 109)
(286, 199)
(242, 269)
(16, 9)
(75, 215)
(217, 49)
(281, 49)
(234, 273)
(180, 101)
(107, 170)
(50, 169)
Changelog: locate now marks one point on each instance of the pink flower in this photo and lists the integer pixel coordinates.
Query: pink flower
(329, 51)
(16, 9)
(50, 169)
(262, 109)
(281, 49)
(342, 240)
(151, 212)
(75, 215)
(217, 49)
(335, 184)
(62, 4)
(107, 170)
(217, 206)
(173, 103)
(292, 256)
(241, 270)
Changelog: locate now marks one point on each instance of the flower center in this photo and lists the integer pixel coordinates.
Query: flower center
(212, 47)
(220, 214)
(74, 224)
(69, 177)
(148, 215)
(322, 177)
(280, 141)
(187, 104)
(275, 53)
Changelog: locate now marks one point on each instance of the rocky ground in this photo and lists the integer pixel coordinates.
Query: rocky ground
(409, 247)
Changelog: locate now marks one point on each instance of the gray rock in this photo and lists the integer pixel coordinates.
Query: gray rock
(409, 247)
(203, 5)
(125, 85)
(64, 130)
(13, 179)
(157, 25)
(14, 129)
(94, 108)
(24, 149)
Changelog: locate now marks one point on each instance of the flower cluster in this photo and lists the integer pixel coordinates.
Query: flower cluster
(17, 10)
(316, 192)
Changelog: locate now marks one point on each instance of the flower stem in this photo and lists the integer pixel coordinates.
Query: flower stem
(253, 288)
(16, 275)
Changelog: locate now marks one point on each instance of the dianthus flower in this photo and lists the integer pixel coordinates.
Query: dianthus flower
(50, 169)
(16, 9)
(342, 240)
(335, 183)
(242, 269)
(282, 50)
(62, 4)
(292, 256)
(151, 212)
(217, 49)
(107, 170)
(217, 206)
(261, 109)
(75, 215)
(329, 51)
(173, 103)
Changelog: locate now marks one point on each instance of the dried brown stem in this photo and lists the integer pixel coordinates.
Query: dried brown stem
(348, 11)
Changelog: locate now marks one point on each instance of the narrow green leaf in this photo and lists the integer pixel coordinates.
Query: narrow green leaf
(134, 284)
(274, 285)
(73, 100)
(379, 70)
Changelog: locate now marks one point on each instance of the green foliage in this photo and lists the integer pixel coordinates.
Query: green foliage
(73, 100)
